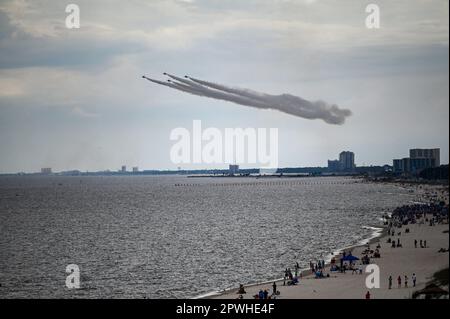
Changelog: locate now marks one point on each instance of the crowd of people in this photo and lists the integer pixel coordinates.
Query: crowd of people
(262, 294)
(291, 278)
(430, 213)
(410, 214)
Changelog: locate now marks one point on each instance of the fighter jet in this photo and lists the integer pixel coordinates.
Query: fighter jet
(154, 81)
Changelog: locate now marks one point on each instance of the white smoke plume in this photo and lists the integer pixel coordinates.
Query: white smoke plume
(286, 103)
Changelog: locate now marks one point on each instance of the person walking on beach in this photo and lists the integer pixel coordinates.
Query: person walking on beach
(241, 289)
(421, 245)
(286, 276)
(414, 279)
(415, 243)
(274, 287)
(406, 281)
(390, 282)
(424, 244)
(368, 295)
(399, 281)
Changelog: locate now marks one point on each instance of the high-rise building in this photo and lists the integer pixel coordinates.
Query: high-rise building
(233, 169)
(123, 169)
(333, 165)
(432, 156)
(46, 170)
(347, 161)
(135, 169)
(418, 160)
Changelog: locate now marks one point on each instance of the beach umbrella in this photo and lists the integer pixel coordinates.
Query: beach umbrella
(350, 258)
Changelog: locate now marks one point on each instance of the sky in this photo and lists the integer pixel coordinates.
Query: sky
(75, 99)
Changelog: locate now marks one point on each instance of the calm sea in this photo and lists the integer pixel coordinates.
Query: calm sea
(174, 237)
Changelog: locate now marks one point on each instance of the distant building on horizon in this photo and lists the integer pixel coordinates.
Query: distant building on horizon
(46, 170)
(345, 163)
(123, 169)
(233, 169)
(333, 165)
(135, 169)
(418, 160)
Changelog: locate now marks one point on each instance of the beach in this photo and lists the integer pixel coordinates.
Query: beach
(402, 261)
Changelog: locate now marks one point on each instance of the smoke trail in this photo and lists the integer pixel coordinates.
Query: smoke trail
(286, 103)
(204, 91)
(245, 92)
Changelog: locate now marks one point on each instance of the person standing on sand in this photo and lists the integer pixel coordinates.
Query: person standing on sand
(241, 289)
(274, 287)
(390, 282)
(399, 281)
(414, 279)
(368, 295)
(415, 243)
(286, 276)
(406, 281)
(424, 244)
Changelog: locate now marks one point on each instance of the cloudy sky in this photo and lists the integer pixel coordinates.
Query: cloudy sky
(75, 99)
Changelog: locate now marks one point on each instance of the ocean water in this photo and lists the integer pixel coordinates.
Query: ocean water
(173, 236)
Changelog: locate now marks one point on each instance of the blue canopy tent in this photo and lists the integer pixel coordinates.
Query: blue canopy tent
(350, 258)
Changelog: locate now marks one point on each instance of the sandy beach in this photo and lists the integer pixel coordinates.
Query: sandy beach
(406, 260)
